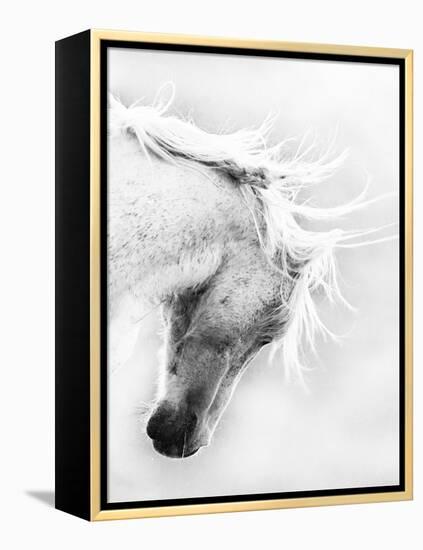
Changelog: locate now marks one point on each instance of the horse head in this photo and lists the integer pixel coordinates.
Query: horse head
(211, 334)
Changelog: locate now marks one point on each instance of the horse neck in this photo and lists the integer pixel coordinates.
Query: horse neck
(170, 225)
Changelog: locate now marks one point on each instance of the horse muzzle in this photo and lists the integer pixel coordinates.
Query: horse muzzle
(174, 431)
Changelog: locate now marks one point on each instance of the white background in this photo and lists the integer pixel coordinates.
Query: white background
(27, 299)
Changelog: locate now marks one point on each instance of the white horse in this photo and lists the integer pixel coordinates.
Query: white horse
(210, 229)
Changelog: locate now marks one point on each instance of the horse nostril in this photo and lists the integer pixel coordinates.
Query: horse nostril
(152, 428)
(157, 423)
(167, 424)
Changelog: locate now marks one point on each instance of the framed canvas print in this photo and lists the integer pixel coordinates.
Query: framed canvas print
(233, 274)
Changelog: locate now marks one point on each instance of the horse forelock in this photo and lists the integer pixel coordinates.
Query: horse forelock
(269, 183)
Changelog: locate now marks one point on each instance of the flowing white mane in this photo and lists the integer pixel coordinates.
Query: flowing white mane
(269, 183)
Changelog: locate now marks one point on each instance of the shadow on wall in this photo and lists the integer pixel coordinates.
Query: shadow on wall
(45, 497)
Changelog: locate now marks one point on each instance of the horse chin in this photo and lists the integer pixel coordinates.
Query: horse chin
(174, 450)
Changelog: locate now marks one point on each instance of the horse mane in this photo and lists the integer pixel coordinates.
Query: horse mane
(269, 181)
